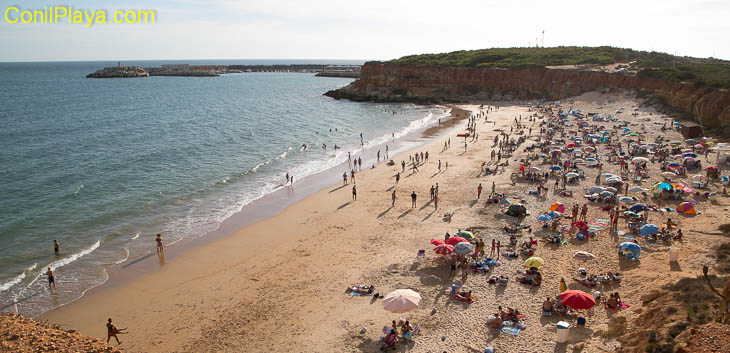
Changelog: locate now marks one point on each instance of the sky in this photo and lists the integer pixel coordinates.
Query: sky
(364, 30)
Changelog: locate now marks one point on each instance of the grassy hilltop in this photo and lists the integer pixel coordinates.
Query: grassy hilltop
(702, 72)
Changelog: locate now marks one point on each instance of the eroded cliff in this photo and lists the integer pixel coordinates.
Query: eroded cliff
(398, 83)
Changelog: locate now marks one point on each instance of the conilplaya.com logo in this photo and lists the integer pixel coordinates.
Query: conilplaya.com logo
(71, 15)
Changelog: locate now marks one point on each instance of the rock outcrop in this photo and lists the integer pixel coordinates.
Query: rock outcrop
(385, 82)
(19, 334)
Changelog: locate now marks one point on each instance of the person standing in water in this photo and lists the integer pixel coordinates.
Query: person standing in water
(56, 247)
(51, 278)
(287, 177)
(159, 243)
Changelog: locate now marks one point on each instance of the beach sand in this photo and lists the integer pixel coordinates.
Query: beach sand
(279, 285)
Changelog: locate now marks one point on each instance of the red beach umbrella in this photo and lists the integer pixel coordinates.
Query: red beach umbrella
(437, 242)
(577, 299)
(444, 249)
(455, 240)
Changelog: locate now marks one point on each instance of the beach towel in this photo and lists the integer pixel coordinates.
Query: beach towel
(512, 330)
(356, 294)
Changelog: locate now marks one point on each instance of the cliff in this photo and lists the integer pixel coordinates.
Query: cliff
(384, 82)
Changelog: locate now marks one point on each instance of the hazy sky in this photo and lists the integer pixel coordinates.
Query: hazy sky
(373, 29)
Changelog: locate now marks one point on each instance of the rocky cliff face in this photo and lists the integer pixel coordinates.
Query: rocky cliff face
(396, 83)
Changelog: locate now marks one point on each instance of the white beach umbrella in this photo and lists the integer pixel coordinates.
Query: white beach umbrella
(401, 300)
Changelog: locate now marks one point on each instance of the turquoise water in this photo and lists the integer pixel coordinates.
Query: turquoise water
(103, 165)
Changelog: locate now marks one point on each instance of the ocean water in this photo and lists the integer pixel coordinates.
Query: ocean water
(103, 165)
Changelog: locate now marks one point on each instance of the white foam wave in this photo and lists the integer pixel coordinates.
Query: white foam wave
(15, 280)
(79, 189)
(31, 267)
(124, 259)
(65, 261)
(135, 236)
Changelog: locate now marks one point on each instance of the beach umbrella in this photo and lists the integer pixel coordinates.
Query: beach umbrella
(517, 210)
(611, 189)
(580, 225)
(455, 240)
(462, 248)
(663, 186)
(535, 169)
(648, 229)
(544, 218)
(690, 160)
(437, 242)
(596, 189)
(699, 176)
(636, 189)
(626, 199)
(637, 207)
(689, 154)
(570, 145)
(674, 165)
(627, 245)
(612, 181)
(556, 167)
(669, 174)
(465, 234)
(577, 299)
(631, 214)
(712, 168)
(588, 149)
(401, 300)
(534, 262)
(443, 249)
(563, 286)
(606, 194)
(591, 159)
(687, 208)
(557, 207)
(609, 175)
(638, 160)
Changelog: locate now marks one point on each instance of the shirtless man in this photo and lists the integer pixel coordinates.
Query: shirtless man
(112, 331)
(547, 306)
(51, 278)
(56, 247)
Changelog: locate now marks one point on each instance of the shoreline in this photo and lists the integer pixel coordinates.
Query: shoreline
(266, 207)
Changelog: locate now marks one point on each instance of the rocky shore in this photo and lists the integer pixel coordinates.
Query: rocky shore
(19, 334)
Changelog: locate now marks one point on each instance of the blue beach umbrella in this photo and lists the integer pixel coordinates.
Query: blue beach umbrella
(462, 248)
(689, 154)
(637, 207)
(591, 160)
(626, 199)
(664, 186)
(544, 218)
(556, 167)
(648, 229)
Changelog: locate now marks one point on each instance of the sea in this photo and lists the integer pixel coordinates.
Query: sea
(102, 165)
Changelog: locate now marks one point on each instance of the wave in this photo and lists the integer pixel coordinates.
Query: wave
(79, 189)
(135, 236)
(65, 261)
(15, 280)
(124, 259)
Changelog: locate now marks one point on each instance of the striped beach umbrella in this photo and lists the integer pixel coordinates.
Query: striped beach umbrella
(462, 248)
(443, 249)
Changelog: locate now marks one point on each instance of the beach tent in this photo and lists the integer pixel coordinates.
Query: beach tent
(517, 210)
(443, 249)
(401, 300)
(687, 208)
(455, 240)
(577, 299)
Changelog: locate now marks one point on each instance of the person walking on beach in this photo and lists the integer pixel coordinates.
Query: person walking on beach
(426, 155)
(435, 202)
(56, 247)
(378, 155)
(159, 243)
(403, 166)
(397, 178)
(359, 162)
(464, 270)
(112, 331)
(344, 178)
(479, 191)
(432, 192)
(392, 198)
(499, 245)
(584, 212)
(291, 182)
(354, 193)
(287, 177)
(352, 175)
(439, 166)
(51, 278)
(413, 199)
(436, 190)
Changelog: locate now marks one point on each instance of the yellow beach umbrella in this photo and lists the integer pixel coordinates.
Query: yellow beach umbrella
(534, 262)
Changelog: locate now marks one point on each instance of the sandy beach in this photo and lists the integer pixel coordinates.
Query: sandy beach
(279, 284)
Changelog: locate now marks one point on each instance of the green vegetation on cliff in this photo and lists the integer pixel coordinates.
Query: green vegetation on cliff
(701, 72)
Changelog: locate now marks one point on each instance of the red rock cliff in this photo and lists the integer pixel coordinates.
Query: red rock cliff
(398, 83)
